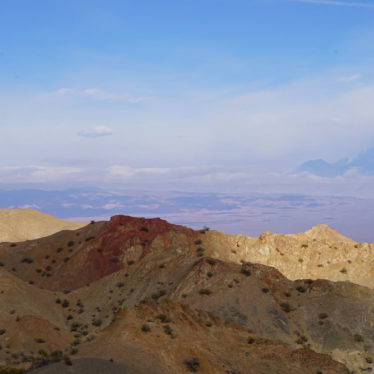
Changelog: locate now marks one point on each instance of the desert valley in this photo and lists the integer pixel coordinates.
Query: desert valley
(136, 295)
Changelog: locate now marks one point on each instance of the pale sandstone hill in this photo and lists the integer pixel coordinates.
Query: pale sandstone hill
(17, 225)
(318, 253)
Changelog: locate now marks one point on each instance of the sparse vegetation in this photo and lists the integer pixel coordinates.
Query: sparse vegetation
(169, 331)
(192, 364)
(27, 260)
(97, 322)
(163, 318)
(301, 339)
(146, 328)
(286, 307)
(250, 340)
(245, 270)
(158, 294)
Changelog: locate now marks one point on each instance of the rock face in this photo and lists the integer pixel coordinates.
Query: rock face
(17, 225)
(161, 298)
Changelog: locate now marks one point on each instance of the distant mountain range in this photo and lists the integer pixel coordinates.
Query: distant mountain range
(364, 163)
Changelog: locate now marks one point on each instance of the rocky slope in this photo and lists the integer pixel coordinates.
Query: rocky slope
(17, 225)
(162, 298)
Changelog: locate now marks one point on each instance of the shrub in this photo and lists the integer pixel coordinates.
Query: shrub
(250, 340)
(168, 330)
(343, 271)
(39, 340)
(71, 243)
(97, 322)
(205, 291)
(322, 316)
(2, 331)
(358, 338)
(144, 228)
(192, 364)
(286, 307)
(27, 260)
(114, 259)
(163, 318)
(300, 289)
(245, 270)
(146, 328)
(67, 361)
(65, 303)
(198, 241)
(211, 262)
(265, 290)
(302, 339)
(158, 294)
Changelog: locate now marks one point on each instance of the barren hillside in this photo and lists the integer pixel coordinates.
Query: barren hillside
(161, 298)
(17, 225)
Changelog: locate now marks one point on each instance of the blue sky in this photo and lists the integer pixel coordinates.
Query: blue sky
(207, 95)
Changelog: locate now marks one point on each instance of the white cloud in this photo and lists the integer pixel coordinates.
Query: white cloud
(127, 171)
(356, 4)
(95, 132)
(65, 91)
(113, 205)
(29, 206)
(350, 78)
(101, 95)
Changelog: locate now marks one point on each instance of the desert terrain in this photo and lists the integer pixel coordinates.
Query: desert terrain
(136, 295)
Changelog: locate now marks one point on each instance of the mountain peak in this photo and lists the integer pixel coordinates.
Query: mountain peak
(324, 232)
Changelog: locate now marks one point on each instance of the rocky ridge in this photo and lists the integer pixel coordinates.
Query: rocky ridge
(131, 285)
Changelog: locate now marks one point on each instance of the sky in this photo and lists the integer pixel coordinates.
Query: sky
(190, 95)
